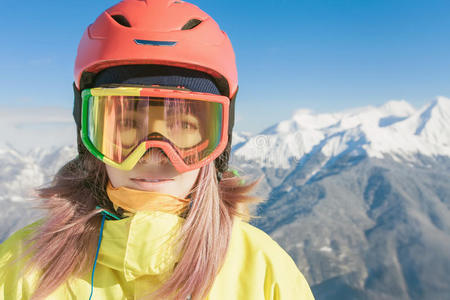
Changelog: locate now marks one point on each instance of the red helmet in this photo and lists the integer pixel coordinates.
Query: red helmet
(169, 33)
(159, 32)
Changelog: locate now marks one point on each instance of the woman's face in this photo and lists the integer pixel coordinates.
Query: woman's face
(154, 172)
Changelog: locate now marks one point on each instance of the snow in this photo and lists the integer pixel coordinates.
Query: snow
(34, 144)
(395, 128)
(240, 137)
(399, 108)
(326, 249)
(22, 173)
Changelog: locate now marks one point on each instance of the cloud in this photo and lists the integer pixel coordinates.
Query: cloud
(29, 128)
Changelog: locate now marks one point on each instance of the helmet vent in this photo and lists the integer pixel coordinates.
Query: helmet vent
(121, 20)
(191, 24)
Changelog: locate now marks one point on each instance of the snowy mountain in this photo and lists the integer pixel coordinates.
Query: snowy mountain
(239, 138)
(21, 174)
(360, 199)
(34, 144)
(395, 129)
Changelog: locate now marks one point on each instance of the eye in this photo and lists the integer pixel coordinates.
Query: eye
(188, 125)
(182, 124)
(127, 123)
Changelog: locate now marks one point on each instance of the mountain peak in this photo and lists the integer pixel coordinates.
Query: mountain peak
(434, 122)
(398, 108)
(307, 119)
(395, 128)
(443, 103)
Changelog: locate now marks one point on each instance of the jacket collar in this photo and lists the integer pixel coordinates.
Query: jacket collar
(142, 244)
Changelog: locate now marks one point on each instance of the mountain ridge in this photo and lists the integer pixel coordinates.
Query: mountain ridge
(395, 129)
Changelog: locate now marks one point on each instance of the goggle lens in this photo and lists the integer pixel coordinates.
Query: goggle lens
(118, 124)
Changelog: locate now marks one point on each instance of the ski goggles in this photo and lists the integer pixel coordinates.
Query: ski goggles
(119, 125)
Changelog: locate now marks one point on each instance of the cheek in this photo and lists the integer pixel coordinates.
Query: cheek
(192, 175)
(186, 181)
(116, 176)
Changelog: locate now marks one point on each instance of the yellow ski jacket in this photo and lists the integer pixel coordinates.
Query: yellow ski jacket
(136, 257)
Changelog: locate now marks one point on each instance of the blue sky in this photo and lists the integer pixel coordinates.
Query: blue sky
(315, 54)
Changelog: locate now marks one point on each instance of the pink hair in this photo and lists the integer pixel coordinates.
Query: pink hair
(64, 244)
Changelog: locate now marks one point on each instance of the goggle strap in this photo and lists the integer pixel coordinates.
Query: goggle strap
(77, 106)
(231, 114)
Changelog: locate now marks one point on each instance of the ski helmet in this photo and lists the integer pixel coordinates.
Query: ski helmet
(163, 33)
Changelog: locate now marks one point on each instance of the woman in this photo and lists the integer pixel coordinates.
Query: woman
(149, 209)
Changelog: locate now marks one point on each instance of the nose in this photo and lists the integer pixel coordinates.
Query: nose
(154, 156)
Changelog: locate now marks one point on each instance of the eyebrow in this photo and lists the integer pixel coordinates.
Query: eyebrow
(186, 115)
(190, 118)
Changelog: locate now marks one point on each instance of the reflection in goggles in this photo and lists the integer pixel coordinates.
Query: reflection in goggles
(118, 124)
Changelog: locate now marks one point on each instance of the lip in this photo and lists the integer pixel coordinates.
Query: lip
(149, 182)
